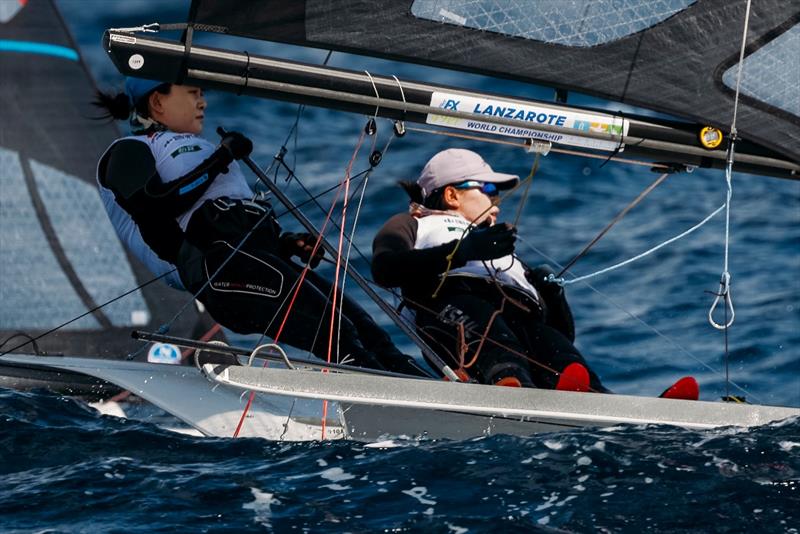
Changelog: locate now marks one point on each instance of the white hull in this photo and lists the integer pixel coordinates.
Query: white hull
(289, 403)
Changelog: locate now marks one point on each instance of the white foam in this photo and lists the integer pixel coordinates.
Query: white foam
(387, 444)
(553, 445)
(419, 493)
(336, 474)
(261, 506)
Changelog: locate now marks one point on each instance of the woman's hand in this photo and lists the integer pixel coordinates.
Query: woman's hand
(237, 145)
(302, 246)
(539, 278)
(487, 243)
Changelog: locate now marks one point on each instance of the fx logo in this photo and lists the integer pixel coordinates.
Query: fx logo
(451, 104)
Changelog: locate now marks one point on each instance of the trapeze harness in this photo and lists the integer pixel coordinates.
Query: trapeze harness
(154, 202)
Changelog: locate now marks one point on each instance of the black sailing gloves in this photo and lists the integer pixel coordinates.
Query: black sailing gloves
(235, 146)
(486, 243)
(538, 278)
(301, 245)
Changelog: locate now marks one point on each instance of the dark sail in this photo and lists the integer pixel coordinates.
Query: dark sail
(675, 56)
(59, 255)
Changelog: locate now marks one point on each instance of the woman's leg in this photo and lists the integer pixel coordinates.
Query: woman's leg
(251, 291)
(501, 354)
(374, 338)
(551, 352)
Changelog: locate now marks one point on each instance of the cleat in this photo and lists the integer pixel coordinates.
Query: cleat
(686, 389)
(574, 377)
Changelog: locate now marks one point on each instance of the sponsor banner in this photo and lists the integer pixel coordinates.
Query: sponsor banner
(532, 114)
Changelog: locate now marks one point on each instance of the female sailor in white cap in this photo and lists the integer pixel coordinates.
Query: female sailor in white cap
(452, 233)
(176, 199)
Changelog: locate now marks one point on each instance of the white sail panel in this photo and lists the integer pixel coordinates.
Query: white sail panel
(35, 292)
(89, 242)
(578, 23)
(771, 74)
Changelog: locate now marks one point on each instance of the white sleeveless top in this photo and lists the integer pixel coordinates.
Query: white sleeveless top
(175, 155)
(438, 229)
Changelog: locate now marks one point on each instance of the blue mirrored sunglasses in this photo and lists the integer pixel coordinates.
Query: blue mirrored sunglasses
(487, 188)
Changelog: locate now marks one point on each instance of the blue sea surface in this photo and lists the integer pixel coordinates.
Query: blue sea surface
(64, 468)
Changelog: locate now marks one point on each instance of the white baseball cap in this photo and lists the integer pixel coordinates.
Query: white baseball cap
(456, 165)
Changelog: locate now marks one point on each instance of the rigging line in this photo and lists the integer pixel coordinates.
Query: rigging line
(330, 293)
(299, 284)
(334, 295)
(353, 232)
(377, 96)
(403, 96)
(739, 69)
(88, 312)
(563, 282)
(566, 151)
(724, 291)
(614, 221)
(635, 317)
(530, 359)
(26, 336)
(527, 181)
(345, 203)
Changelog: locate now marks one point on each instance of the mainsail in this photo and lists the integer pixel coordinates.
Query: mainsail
(59, 255)
(675, 56)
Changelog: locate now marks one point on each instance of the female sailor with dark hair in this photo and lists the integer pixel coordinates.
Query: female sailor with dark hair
(176, 199)
(482, 308)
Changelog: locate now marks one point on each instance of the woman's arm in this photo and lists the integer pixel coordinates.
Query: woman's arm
(395, 262)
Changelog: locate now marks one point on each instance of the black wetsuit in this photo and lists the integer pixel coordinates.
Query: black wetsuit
(533, 345)
(252, 282)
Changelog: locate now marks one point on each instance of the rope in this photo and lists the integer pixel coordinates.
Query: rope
(614, 221)
(353, 232)
(641, 321)
(562, 282)
(724, 291)
(346, 202)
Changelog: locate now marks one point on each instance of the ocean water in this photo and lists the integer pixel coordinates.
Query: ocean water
(64, 468)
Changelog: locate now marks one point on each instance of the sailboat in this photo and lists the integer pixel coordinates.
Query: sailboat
(627, 57)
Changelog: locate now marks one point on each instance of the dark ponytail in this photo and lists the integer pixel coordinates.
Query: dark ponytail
(413, 190)
(119, 106)
(115, 106)
(433, 201)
